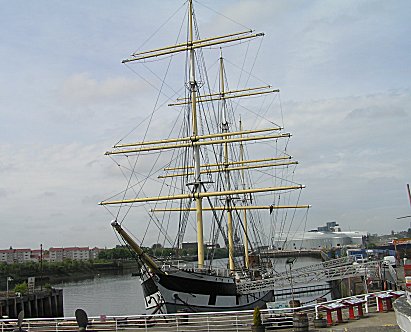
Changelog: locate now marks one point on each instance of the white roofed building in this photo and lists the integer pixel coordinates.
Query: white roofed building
(325, 237)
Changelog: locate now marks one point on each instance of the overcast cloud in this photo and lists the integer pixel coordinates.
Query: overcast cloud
(343, 68)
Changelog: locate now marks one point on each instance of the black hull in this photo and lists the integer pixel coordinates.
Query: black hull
(196, 292)
(261, 303)
(198, 284)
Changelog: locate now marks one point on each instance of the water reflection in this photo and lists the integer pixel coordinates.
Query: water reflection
(105, 295)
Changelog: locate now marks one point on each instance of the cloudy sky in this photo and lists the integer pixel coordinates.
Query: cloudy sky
(343, 67)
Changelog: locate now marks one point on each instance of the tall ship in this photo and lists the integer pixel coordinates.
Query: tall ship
(218, 175)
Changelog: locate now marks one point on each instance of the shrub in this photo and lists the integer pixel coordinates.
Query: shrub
(257, 317)
(21, 288)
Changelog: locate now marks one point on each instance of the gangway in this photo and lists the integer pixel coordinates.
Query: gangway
(317, 273)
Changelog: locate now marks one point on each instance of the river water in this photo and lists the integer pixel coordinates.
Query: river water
(122, 294)
(104, 295)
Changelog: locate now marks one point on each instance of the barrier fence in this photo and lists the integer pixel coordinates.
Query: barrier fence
(213, 321)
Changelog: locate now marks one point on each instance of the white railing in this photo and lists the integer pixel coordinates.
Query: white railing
(224, 321)
(235, 321)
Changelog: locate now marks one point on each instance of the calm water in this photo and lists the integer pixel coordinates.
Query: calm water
(105, 295)
(122, 294)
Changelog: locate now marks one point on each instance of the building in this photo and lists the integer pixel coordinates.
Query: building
(330, 226)
(189, 245)
(56, 254)
(6, 256)
(94, 252)
(73, 253)
(193, 245)
(15, 255)
(37, 255)
(324, 237)
(11, 255)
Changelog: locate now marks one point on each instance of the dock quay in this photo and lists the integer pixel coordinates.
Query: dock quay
(376, 316)
(38, 304)
(315, 253)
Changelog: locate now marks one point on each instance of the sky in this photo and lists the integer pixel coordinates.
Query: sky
(343, 68)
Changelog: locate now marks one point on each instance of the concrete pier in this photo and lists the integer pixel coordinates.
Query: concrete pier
(315, 253)
(40, 304)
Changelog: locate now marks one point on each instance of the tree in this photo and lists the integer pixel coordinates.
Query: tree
(21, 288)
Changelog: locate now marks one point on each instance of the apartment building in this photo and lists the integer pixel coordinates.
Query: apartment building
(11, 255)
(73, 253)
(15, 255)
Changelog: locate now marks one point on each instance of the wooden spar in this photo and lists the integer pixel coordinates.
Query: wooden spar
(190, 46)
(240, 162)
(194, 144)
(227, 92)
(215, 170)
(194, 42)
(226, 97)
(198, 137)
(141, 254)
(235, 208)
(201, 195)
(196, 148)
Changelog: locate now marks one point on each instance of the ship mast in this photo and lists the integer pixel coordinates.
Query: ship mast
(198, 140)
(225, 129)
(196, 148)
(245, 226)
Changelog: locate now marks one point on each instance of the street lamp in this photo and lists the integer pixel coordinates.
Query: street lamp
(290, 261)
(7, 286)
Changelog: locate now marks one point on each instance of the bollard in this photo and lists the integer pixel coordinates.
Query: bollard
(300, 322)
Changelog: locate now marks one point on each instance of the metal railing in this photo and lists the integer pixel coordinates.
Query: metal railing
(235, 321)
(224, 321)
(311, 274)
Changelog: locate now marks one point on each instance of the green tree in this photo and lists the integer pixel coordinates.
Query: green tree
(21, 288)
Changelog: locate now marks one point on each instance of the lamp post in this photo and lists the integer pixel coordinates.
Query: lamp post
(290, 261)
(41, 266)
(7, 286)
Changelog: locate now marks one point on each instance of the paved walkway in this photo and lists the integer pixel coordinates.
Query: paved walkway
(374, 322)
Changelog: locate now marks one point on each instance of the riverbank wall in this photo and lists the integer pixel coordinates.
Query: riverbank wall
(314, 253)
(39, 304)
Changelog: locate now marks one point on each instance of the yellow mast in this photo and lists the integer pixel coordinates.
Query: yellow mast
(245, 210)
(225, 127)
(196, 148)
